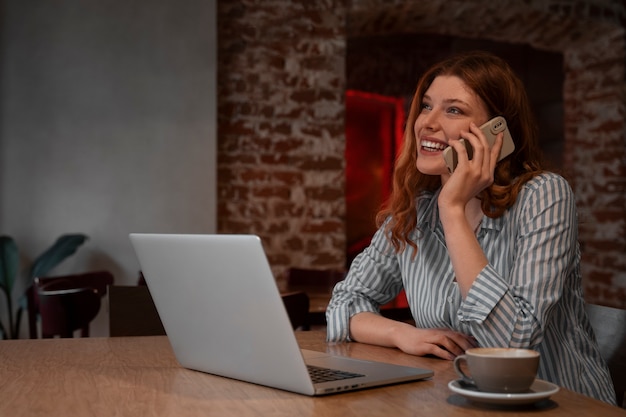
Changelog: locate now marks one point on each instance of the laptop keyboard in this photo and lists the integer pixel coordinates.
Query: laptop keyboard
(325, 375)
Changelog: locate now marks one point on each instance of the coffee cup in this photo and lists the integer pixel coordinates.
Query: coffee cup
(498, 369)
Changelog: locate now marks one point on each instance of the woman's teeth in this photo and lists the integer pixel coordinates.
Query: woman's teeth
(433, 146)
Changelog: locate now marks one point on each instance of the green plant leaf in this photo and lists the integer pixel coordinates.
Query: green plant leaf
(9, 264)
(65, 246)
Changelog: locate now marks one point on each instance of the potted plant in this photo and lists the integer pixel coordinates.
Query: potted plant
(64, 246)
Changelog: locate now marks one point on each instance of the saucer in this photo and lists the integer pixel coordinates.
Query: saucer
(539, 390)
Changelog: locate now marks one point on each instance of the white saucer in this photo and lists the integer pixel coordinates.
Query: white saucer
(539, 390)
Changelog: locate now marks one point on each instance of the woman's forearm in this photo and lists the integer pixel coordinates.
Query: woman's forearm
(375, 329)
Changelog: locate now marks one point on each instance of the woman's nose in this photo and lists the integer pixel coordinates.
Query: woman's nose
(431, 120)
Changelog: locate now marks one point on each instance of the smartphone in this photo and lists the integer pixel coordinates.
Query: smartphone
(490, 129)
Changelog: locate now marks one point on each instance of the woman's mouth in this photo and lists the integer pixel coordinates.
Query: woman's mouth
(431, 146)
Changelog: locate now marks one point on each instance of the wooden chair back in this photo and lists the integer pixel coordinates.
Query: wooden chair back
(65, 310)
(313, 280)
(98, 281)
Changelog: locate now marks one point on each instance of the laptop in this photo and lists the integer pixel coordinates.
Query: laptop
(223, 314)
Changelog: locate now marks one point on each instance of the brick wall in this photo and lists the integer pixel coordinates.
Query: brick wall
(280, 106)
(281, 128)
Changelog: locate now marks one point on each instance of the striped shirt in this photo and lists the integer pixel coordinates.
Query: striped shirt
(529, 295)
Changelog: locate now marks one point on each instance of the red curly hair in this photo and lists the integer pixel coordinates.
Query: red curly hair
(503, 94)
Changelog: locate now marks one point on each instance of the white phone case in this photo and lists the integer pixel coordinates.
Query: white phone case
(491, 130)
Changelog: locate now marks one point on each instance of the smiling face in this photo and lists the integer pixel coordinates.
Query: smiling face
(448, 107)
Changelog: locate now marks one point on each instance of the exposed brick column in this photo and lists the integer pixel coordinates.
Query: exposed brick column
(281, 128)
(595, 152)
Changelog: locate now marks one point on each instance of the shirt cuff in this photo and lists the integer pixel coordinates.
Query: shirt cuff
(338, 318)
(487, 290)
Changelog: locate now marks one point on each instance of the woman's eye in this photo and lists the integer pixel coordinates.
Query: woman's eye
(426, 106)
(454, 110)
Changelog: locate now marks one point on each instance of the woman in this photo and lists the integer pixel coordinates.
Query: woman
(488, 255)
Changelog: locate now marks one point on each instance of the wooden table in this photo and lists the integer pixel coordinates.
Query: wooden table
(139, 376)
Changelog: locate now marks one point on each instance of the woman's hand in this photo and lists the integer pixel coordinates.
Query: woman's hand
(374, 329)
(443, 343)
(471, 176)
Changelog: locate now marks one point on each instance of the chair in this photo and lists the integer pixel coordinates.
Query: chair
(313, 280)
(96, 280)
(132, 312)
(609, 325)
(297, 306)
(65, 310)
(319, 284)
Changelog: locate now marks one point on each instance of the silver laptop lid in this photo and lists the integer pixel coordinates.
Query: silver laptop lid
(215, 295)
